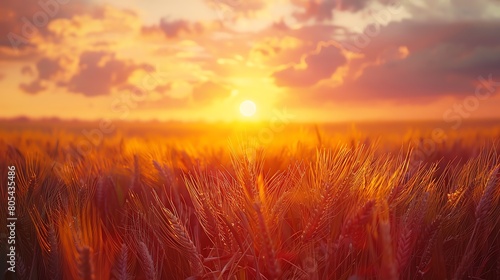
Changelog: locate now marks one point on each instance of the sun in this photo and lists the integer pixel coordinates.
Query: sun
(248, 108)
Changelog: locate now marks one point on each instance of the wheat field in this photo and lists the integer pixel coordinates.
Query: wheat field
(180, 201)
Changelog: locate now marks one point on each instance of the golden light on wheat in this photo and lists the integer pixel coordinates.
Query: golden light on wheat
(319, 207)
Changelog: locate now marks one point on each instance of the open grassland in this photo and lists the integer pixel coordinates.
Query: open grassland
(174, 201)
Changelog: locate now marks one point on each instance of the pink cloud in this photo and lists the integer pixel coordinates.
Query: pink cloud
(23, 19)
(46, 69)
(323, 10)
(99, 72)
(320, 65)
(412, 61)
(33, 87)
(176, 27)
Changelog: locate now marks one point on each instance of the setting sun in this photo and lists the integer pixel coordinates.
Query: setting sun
(248, 108)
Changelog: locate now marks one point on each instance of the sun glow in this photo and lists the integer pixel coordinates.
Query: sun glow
(248, 108)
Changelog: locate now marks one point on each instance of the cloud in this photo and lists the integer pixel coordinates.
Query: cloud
(46, 69)
(78, 50)
(99, 72)
(179, 28)
(97, 28)
(176, 27)
(323, 10)
(23, 19)
(32, 29)
(352, 5)
(27, 70)
(317, 10)
(441, 55)
(233, 9)
(207, 92)
(411, 61)
(33, 87)
(319, 65)
(453, 10)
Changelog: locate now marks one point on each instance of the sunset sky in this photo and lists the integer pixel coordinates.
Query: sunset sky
(320, 60)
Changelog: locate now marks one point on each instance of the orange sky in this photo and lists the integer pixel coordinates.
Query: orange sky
(319, 60)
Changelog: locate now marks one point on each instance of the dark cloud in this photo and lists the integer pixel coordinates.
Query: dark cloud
(437, 49)
(352, 5)
(175, 28)
(99, 72)
(27, 70)
(46, 69)
(22, 19)
(34, 87)
(278, 47)
(317, 10)
(27, 53)
(225, 10)
(280, 25)
(319, 65)
(324, 9)
(420, 35)
(454, 9)
(413, 60)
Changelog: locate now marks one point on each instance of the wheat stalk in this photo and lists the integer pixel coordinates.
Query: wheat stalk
(405, 247)
(485, 204)
(270, 254)
(147, 261)
(54, 262)
(85, 264)
(482, 211)
(176, 235)
(120, 270)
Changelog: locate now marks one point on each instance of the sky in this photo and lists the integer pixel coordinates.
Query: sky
(315, 60)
